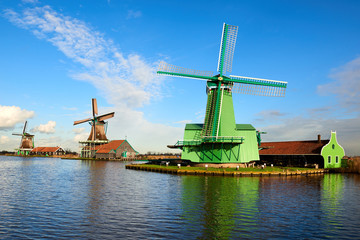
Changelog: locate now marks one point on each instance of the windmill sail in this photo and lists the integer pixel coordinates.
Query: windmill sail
(82, 121)
(172, 70)
(258, 86)
(24, 129)
(97, 123)
(94, 106)
(227, 48)
(105, 116)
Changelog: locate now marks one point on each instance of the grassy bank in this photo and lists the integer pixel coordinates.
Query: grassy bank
(268, 171)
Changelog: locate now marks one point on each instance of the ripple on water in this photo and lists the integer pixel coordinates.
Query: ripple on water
(64, 199)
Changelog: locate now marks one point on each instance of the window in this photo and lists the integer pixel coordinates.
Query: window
(337, 159)
(329, 159)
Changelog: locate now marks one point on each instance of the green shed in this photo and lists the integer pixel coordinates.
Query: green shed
(332, 153)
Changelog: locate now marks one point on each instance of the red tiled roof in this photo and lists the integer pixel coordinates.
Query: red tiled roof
(106, 148)
(50, 149)
(292, 147)
(45, 149)
(37, 149)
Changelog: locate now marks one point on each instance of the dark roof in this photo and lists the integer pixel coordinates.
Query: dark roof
(292, 147)
(194, 126)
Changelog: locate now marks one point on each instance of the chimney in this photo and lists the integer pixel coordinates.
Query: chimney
(319, 138)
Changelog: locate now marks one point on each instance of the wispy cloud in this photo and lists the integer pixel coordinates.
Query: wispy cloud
(129, 80)
(11, 115)
(346, 85)
(45, 128)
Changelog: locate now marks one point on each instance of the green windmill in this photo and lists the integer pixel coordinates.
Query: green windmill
(219, 139)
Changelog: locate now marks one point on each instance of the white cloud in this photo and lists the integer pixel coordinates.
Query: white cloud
(45, 128)
(80, 135)
(346, 85)
(52, 141)
(11, 115)
(130, 80)
(143, 135)
(78, 130)
(4, 139)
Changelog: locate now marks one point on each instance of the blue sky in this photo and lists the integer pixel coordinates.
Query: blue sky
(57, 55)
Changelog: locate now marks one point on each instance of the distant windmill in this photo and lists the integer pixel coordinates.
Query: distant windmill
(220, 139)
(27, 140)
(97, 123)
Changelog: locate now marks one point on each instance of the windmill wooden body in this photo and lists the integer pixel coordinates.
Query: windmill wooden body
(98, 131)
(219, 139)
(26, 143)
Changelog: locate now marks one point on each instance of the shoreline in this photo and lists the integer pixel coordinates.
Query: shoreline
(223, 172)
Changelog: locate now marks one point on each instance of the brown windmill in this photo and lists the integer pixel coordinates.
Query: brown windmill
(27, 140)
(97, 123)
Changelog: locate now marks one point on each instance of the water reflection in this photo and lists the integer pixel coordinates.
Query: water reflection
(220, 205)
(62, 199)
(331, 197)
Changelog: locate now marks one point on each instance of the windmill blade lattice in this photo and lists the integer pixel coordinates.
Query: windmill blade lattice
(258, 86)
(176, 71)
(227, 48)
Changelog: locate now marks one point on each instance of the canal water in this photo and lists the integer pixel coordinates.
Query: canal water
(71, 199)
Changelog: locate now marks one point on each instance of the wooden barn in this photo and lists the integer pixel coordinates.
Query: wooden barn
(324, 153)
(48, 151)
(116, 149)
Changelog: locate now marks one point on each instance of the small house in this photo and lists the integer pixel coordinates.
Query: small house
(48, 151)
(324, 153)
(116, 149)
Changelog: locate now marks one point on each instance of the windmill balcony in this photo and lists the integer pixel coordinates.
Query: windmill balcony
(210, 139)
(223, 139)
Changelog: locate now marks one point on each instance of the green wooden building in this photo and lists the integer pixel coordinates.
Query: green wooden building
(332, 153)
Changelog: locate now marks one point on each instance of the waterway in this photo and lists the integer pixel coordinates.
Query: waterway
(71, 199)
